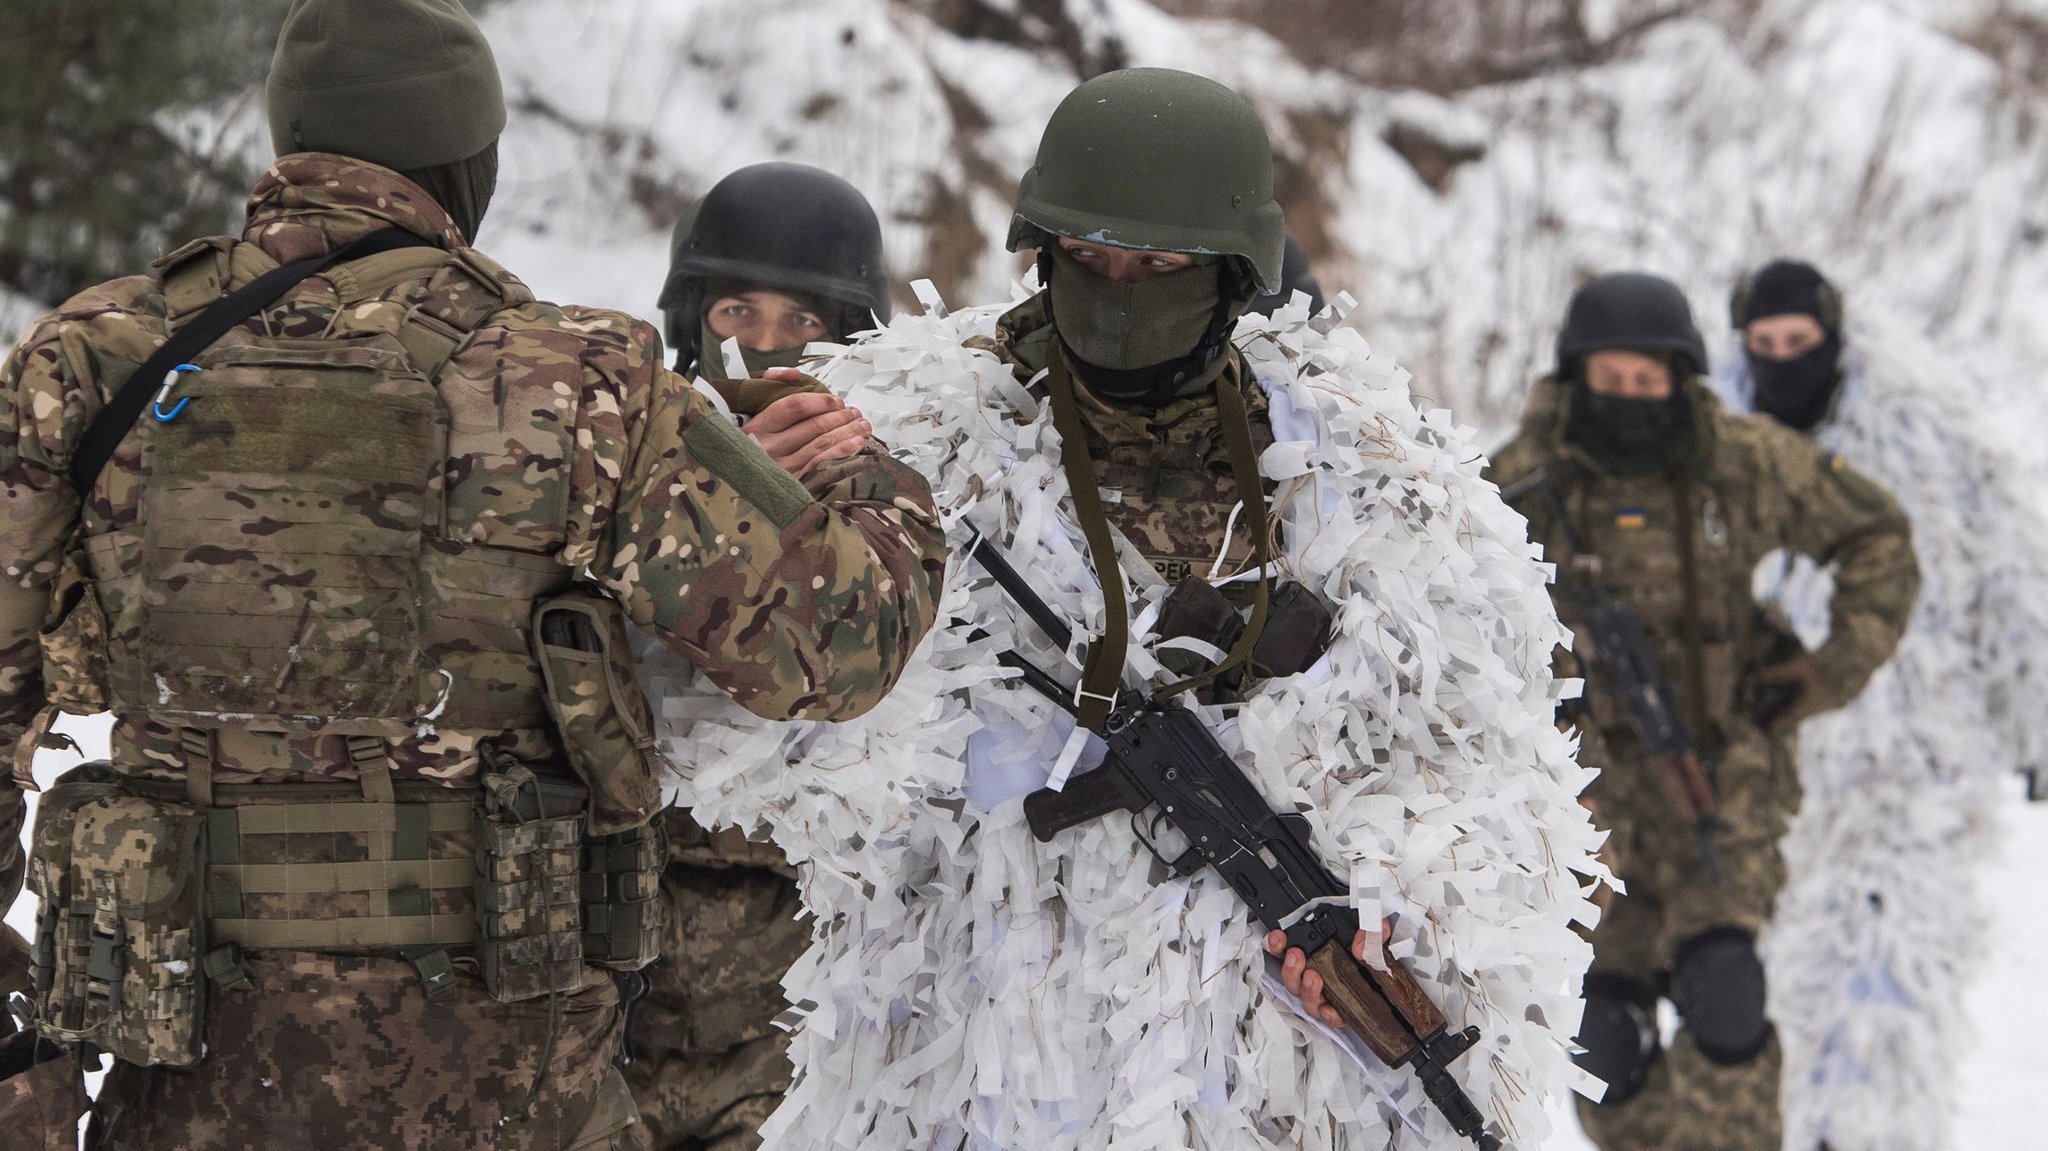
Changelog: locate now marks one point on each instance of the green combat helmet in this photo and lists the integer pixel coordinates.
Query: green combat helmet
(779, 226)
(1158, 160)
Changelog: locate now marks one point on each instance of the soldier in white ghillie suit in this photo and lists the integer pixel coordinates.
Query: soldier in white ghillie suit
(1242, 480)
(1878, 928)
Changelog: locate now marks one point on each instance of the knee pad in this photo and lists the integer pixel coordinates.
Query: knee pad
(1718, 984)
(1619, 1034)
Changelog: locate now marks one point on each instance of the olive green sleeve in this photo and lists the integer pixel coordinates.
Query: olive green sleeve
(1839, 516)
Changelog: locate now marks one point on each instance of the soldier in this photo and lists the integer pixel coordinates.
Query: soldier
(777, 256)
(355, 593)
(1140, 307)
(1636, 478)
(973, 986)
(1790, 318)
(1874, 933)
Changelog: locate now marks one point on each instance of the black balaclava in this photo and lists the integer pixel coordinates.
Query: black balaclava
(463, 188)
(1797, 392)
(1631, 437)
(1800, 391)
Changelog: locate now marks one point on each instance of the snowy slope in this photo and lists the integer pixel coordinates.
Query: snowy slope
(1902, 158)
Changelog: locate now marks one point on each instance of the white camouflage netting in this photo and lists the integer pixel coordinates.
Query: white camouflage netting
(969, 981)
(1875, 941)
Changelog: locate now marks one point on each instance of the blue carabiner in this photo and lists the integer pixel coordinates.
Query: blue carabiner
(163, 393)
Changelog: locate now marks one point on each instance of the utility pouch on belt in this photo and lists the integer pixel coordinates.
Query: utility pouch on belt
(622, 905)
(120, 932)
(529, 894)
(600, 713)
(1194, 609)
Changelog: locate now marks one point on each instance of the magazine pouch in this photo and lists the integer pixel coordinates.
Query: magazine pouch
(622, 907)
(120, 930)
(529, 896)
(600, 713)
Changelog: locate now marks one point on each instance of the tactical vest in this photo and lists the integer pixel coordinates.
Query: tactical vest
(1177, 504)
(1663, 547)
(291, 563)
(292, 567)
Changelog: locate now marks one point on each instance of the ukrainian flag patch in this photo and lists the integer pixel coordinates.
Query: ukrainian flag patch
(1631, 519)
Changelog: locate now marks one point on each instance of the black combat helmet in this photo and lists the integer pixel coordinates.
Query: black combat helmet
(778, 226)
(1295, 276)
(1629, 311)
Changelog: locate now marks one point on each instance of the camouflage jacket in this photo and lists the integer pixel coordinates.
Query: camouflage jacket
(575, 455)
(1758, 488)
(1169, 465)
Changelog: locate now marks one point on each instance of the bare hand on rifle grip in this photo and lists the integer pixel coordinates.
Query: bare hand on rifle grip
(1306, 985)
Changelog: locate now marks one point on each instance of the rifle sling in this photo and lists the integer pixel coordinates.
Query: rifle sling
(1102, 672)
(1251, 489)
(114, 421)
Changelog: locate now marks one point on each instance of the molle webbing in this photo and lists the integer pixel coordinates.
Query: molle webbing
(412, 889)
(294, 570)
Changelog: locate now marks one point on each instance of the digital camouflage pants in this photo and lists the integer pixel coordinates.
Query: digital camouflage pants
(346, 1053)
(1690, 1103)
(709, 1065)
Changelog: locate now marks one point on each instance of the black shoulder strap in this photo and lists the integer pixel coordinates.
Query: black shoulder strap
(117, 419)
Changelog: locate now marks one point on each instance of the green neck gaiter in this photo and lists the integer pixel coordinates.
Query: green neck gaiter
(711, 356)
(1123, 327)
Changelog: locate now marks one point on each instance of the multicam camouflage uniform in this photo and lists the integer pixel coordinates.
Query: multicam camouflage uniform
(570, 451)
(1760, 489)
(709, 1064)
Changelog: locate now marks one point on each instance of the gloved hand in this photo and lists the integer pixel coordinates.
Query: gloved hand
(1786, 694)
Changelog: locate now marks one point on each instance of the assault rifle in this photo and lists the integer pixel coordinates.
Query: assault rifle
(1633, 677)
(1163, 756)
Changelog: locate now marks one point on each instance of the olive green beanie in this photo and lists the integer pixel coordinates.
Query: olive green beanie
(408, 84)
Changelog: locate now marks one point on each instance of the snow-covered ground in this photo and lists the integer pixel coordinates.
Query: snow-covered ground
(2002, 1103)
